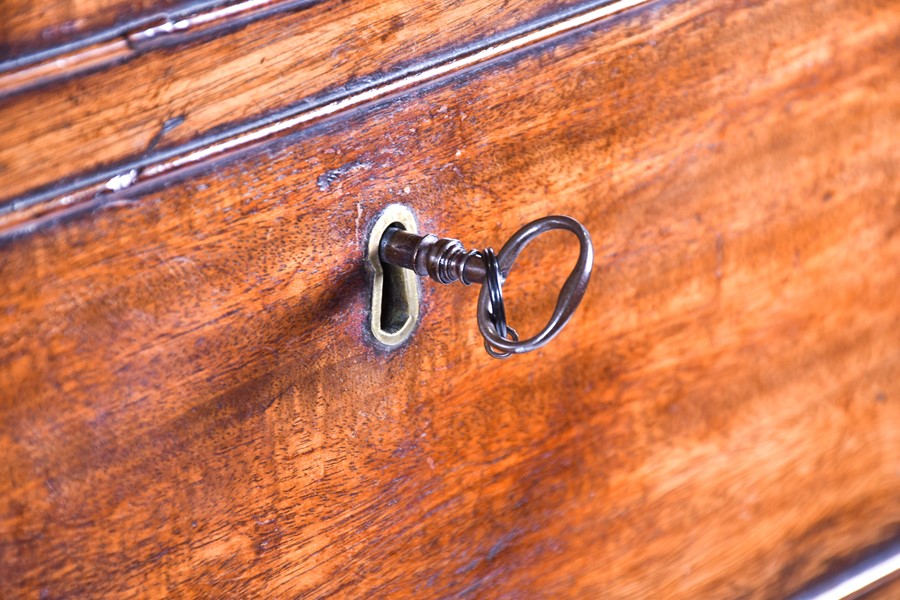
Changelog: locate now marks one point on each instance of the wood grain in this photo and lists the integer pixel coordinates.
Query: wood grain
(118, 45)
(190, 405)
(290, 62)
(27, 26)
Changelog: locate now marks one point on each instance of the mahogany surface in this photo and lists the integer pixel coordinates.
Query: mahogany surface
(32, 25)
(888, 591)
(294, 61)
(190, 404)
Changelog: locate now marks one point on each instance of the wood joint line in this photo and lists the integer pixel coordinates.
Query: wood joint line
(21, 215)
(119, 45)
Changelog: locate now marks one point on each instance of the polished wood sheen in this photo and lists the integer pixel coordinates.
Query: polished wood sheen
(191, 404)
(28, 26)
(296, 60)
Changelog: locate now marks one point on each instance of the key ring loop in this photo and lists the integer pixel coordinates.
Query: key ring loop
(493, 281)
(569, 296)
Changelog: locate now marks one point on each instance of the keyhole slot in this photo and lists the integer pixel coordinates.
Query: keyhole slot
(394, 303)
(395, 290)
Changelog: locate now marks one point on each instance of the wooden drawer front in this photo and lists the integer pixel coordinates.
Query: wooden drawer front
(190, 403)
(283, 59)
(33, 27)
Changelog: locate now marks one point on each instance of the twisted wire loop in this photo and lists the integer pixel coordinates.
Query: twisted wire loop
(494, 284)
(445, 260)
(500, 340)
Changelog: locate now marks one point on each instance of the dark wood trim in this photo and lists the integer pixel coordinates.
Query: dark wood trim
(21, 214)
(195, 22)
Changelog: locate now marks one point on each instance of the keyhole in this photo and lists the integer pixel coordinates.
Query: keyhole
(394, 301)
(395, 291)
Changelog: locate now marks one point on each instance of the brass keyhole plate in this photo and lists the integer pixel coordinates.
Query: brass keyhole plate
(395, 291)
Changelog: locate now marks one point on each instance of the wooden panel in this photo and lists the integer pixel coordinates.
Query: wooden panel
(29, 25)
(293, 61)
(190, 405)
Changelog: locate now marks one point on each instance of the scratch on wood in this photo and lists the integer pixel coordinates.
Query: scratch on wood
(326, 179)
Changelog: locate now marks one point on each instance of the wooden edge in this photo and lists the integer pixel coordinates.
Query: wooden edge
(21, 215)
(859, 580)
(123, 43)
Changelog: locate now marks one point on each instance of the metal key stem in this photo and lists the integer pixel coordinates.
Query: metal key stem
(443, 259)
